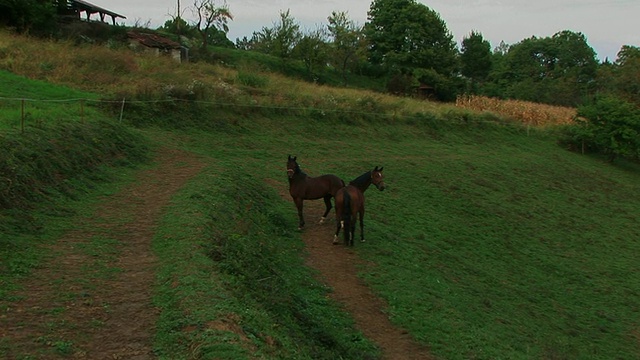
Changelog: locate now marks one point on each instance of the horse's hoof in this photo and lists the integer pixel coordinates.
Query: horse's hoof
(322, 220)
(362, 240)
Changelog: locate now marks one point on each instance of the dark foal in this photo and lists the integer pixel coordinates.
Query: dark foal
(304, 187)
(350, 202)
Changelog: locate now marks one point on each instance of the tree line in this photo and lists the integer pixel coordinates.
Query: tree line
(406, 43)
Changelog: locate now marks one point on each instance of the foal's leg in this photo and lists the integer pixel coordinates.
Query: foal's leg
(299, 204)
(327, 203)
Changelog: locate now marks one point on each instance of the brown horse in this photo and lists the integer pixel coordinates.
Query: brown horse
(304, 187)
(350, 202)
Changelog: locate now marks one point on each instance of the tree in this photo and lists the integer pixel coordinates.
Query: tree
(312, 50)
(628, 73)
(212, 19)
(609, 126)
(279, 40)
(180, 27)
(475, 58)
(558, 70)
(38, 17)
(347, 42)
(405, 35)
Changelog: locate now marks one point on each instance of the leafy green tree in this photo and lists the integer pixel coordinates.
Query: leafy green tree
(609, 126)
(180, 27)
(628, 73)
(38, 17)
(556, 70)
(212, 20)
(348, 43)
(279, 40)
(475, 58)
(404, 35)
(312, 49)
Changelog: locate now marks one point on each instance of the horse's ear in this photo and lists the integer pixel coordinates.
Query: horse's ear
(295, 158)
(381, 168)
(375, 169)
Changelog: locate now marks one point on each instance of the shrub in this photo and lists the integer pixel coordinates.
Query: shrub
(608, 126)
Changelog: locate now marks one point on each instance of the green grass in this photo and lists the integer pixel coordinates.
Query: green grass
(24, 245)
(245, 293)
(252, 60)
(489, 243)
(39, 103)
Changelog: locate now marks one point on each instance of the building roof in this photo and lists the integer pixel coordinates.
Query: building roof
(90, 8)
(153, 40)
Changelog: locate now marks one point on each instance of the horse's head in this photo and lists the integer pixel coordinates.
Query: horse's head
(377, 178)
(292, 166)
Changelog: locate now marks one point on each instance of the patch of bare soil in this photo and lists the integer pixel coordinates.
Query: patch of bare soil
(337, 265)
(74, 305)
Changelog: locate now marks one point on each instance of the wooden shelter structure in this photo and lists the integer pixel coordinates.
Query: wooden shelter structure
(79, 6)
(156, 44)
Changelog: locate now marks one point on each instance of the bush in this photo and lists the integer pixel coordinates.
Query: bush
(608, 126)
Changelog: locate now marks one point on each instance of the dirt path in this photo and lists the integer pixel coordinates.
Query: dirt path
(338, 266)
(100, 301)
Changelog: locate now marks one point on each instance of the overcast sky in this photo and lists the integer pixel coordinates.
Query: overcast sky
(607, 24)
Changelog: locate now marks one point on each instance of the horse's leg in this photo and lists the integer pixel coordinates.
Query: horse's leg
(361, 225)
(339, 224)
(299, 204)
(353, 230)
(327, 203)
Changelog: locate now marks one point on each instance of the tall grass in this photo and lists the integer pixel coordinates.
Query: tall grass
(119, 74)
(522, 111)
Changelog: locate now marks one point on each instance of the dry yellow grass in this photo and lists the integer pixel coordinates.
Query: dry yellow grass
(120, 73)
(528, 113)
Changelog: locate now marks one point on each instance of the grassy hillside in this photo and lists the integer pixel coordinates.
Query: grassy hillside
(491, 241)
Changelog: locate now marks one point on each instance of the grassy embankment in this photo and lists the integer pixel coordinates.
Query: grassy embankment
(491, 242)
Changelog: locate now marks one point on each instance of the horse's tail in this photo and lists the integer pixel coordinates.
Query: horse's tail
(346, 217)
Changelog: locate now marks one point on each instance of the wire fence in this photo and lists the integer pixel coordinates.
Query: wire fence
(25, 108)
(17, 111)
(20, 110)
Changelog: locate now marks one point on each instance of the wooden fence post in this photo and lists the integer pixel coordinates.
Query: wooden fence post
(122, 109)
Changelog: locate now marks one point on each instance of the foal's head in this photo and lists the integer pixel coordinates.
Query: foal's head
(377, 178)
(292, 166)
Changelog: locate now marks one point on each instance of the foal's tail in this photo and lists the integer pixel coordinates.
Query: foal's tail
(346, 217)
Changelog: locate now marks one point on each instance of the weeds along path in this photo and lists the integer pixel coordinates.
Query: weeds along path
(97, 305)
(337, 265)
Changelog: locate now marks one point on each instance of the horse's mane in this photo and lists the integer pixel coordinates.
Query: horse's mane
(361, 180)
(298, 170)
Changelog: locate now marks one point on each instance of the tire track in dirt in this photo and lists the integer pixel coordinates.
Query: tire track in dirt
(337, 265)
(104, 317)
